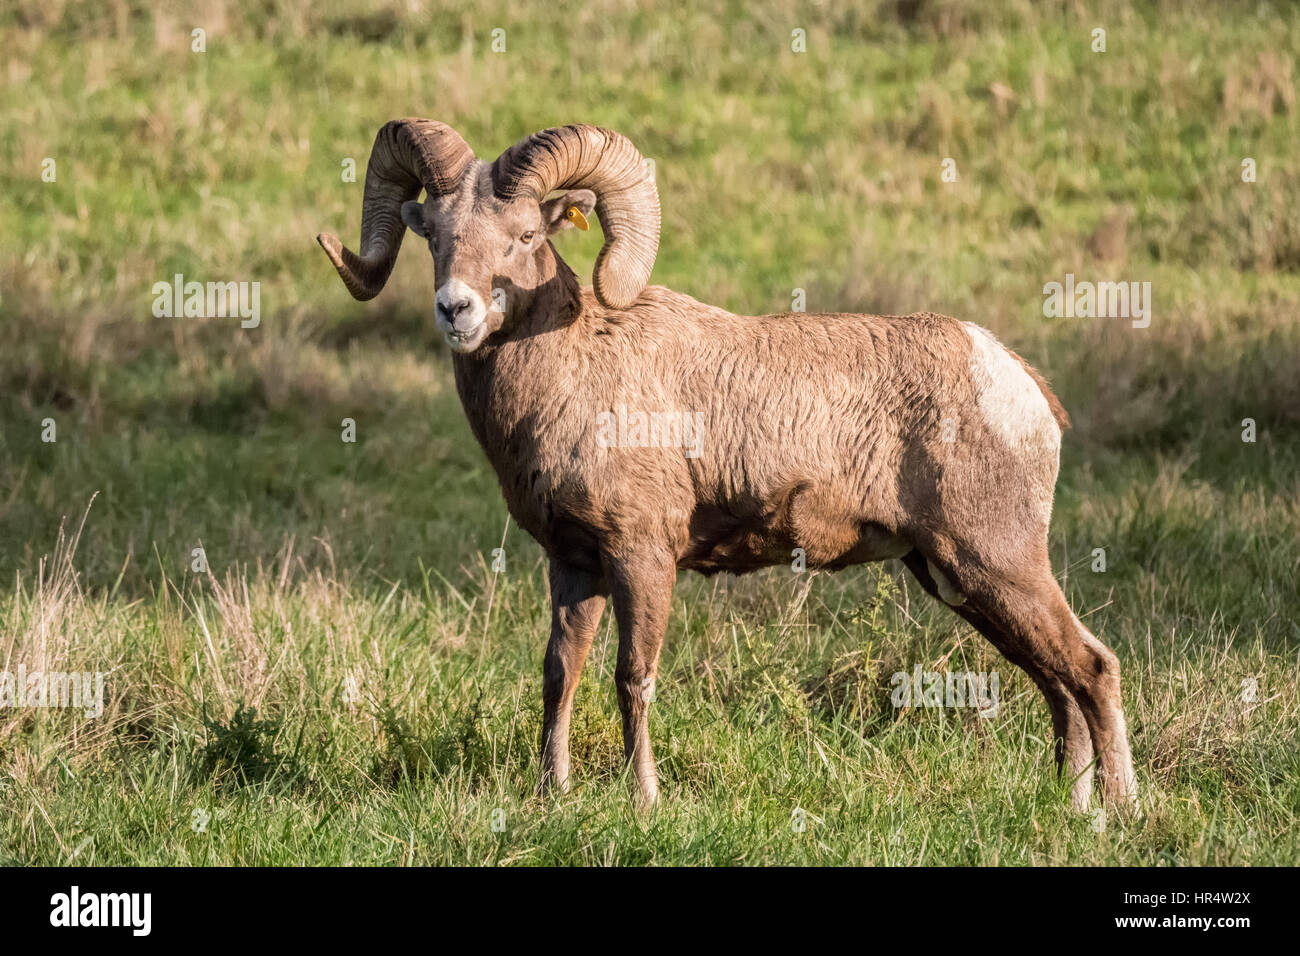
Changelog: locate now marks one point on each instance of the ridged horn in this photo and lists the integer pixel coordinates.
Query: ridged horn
(627, 201)
(408, 155)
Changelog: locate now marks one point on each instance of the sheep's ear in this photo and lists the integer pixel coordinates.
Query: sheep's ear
(567, 211)
(413, 216)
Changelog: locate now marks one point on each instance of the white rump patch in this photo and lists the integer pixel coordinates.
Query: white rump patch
(1010, 401)
(949, 593)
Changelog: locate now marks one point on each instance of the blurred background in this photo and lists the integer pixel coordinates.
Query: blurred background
(797, 146)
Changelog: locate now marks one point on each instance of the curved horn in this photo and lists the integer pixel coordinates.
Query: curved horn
(409, 154)
(627, 202)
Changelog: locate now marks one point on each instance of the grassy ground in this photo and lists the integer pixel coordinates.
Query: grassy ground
(353, 683)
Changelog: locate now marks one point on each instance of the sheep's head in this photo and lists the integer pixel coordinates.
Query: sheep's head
(489, 254)
(487, 224)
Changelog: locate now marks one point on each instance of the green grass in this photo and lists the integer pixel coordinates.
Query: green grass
(352, 683)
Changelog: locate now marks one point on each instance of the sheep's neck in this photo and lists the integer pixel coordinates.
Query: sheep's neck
(508, 387)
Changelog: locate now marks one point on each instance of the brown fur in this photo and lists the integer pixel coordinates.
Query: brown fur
(852, 437)
(821, 433)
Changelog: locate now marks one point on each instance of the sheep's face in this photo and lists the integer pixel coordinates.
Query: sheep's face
(489, 256)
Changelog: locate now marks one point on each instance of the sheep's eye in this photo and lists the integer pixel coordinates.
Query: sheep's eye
(527, 237)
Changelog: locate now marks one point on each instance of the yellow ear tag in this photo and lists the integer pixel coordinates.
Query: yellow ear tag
(575, 216)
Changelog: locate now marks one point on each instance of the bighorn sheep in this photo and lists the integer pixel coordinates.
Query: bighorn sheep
(854, 437)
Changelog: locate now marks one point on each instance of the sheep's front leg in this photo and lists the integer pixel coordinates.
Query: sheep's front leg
(641, 585)
(577, 601)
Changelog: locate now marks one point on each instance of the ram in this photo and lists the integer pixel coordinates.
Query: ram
(852, 437)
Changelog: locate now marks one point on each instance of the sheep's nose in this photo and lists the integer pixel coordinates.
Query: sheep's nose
(459, 312)
(459, 306)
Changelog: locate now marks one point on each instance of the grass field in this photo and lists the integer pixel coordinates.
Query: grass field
(352, 682)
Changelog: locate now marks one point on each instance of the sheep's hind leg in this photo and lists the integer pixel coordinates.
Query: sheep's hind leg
(1039, 618)
(1074, 746)
(577, 602)
(1032, 609)
(641, 585)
